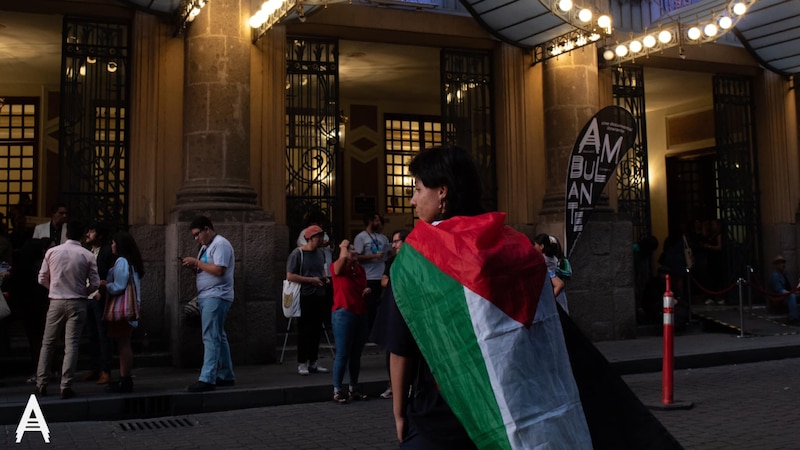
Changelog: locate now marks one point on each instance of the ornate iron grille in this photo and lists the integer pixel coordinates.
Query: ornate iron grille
(737, 173)
(633, 188)
(467, 113)
(405, 136)
(93, 120)
(312, 132)
(19, 139)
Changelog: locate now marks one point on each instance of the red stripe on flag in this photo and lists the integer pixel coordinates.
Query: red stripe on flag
(493, 260)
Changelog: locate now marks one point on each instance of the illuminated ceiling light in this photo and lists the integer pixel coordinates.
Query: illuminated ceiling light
(594, 37)
(739, 8)
(581, 41)
(585, 15)
(556, 50)
(91, 59)
(608, 55)
(635, 46)
(565, 5)
(725, 22)
(604, 21)
(693, 33)
(568, 46)
(111, 67)
(649, 41)
(621, 50)
(710, 30)
(665, 37)
(82, 70)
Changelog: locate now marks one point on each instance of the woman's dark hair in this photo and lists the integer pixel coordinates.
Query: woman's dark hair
(452, 167)
(403, 232)
(550, 248)
(127, 248)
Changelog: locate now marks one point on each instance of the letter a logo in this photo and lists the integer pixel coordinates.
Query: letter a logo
(33, 420)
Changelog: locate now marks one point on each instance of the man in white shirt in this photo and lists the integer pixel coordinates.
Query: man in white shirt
(64, 272)
(54, 229)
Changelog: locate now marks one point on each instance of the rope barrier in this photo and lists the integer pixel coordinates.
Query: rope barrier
(710, 292)
(760, 288)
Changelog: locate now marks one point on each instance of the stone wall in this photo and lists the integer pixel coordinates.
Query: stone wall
(601, 294)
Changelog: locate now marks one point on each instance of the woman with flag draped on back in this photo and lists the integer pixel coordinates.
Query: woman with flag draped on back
(478, 357)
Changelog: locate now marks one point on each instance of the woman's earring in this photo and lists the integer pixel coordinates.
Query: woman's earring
(441, 204)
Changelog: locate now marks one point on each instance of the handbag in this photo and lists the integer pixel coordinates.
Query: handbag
(123, 307)
(564, 269)
(291, 295)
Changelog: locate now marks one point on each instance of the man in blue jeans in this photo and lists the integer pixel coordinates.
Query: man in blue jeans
(779, 284)
(214, 267)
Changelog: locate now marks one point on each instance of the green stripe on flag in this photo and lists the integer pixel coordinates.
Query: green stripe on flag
(434, 307)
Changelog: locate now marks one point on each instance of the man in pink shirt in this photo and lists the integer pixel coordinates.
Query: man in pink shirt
(64, 272)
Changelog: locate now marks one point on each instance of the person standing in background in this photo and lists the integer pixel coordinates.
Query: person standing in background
(214, 266)
(99, 343)
(372, 248)
(129, 263)
(54, 229)
(65, 271)
(305, 266)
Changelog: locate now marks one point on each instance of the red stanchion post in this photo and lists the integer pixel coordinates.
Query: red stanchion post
(667, 365)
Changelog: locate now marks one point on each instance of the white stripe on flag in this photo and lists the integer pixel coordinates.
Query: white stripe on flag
(530, 374)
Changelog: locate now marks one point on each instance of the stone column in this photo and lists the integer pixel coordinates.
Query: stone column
(601, 292)
(216, 177)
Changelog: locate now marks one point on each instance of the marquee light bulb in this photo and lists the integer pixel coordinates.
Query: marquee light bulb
(565, 5)
(649, 41)
(604, 21)
(739, 8)
(621, 50)
(635, 46)
(608, 55)
(585, 15)
(725, 22)
(710, 30)
(665, 37)
(693, 33)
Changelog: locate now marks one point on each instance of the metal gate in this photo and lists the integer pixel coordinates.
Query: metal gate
(737, 174)
(467, 112)
(633, 188)
(312, 133)
(93, 146)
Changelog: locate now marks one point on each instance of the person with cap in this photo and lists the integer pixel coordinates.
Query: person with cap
(779, 284)
(305, 266)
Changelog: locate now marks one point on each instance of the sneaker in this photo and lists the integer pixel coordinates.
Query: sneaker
(709, 302)
(201, 386)
(302, 369)
(720, 302)
(387, 393)
(225, 383)
(316, 368)
(67, 393)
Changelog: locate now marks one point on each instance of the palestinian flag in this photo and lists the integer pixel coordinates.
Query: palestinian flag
(476, 298)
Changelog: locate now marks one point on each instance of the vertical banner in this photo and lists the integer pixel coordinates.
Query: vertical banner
(600, 146)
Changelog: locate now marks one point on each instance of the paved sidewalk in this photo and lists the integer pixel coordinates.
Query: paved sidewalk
(161, 391)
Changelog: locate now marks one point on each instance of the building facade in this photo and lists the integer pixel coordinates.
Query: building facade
(320, 113)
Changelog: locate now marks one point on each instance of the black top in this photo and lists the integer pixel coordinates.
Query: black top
(426, 411)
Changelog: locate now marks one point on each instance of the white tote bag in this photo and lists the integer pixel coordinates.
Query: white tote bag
(291, 295)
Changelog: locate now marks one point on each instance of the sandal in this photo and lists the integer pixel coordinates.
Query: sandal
(340, 398)
(355, 395)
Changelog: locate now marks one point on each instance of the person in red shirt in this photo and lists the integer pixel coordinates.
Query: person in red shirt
(350, 319)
